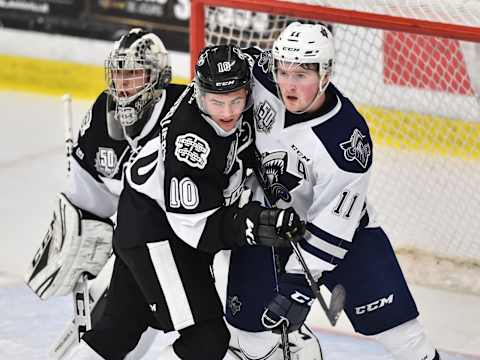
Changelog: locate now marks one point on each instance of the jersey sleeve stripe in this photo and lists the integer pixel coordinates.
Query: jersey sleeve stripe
(327, 247)
(329, 238)
(329, 258)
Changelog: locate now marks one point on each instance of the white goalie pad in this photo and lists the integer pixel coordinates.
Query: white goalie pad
(72, 246)
(266, 345)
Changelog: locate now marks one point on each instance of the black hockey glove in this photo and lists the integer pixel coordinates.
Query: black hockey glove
(269, 227)
(290, 306)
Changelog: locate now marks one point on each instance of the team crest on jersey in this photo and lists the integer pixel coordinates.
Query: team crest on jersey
(355, 149)
(86, 121)
(234, 304)
(275, 178)
(264, 116)
(106, 162)
(192, 149)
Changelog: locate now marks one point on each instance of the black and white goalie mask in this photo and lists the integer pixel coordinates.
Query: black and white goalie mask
(136, 71)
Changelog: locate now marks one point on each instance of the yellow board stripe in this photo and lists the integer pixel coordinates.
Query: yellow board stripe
(424, 133)
(53, 77)
(398, 129)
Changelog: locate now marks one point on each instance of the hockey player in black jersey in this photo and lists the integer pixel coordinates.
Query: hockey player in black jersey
(315, 155)
(183, 201)
(121, 121)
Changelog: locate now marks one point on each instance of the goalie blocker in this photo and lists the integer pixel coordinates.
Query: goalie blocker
(75, 243)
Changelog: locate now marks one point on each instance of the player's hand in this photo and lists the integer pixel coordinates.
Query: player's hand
(277, 227)
(290, 306)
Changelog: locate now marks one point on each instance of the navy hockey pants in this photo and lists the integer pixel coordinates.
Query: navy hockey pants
(378, 297)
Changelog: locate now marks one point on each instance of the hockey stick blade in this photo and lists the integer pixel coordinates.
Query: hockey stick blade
(337, 303)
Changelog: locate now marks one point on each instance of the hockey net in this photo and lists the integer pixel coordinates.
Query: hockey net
(413, 70)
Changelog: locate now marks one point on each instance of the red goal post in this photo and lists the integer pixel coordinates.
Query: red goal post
(414, 74)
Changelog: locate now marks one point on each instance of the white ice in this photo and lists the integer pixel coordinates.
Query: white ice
(32, 171)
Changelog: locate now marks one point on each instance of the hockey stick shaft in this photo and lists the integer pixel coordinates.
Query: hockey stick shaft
(287, 355)
(67, 119)
(81, 298)
(96, 291)
(337, 302)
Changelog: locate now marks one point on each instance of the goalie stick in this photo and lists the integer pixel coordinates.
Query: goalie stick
(81, 298)
(67, 118)
(96, 293)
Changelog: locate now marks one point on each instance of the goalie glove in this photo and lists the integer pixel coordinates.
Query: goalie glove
(290, 306)
(268, 227)
(72, 246)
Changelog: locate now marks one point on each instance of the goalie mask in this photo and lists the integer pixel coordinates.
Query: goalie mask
(222, 70)
(308, 46)
(136, 71)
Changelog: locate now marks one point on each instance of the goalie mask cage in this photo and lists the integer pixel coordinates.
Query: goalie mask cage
(413, 70)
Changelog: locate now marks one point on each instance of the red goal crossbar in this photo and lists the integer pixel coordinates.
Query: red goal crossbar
(328, 14)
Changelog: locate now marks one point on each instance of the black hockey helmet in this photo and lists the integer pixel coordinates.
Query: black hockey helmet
(222, 69)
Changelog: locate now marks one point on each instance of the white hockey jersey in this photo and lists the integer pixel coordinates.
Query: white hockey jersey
(317, 163)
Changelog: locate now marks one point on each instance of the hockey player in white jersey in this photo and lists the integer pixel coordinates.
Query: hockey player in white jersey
(122, 119)
(315, 154)
(182, 203)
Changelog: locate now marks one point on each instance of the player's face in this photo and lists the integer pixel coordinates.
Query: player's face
(226, 109)
(299, 86)
(129, 82)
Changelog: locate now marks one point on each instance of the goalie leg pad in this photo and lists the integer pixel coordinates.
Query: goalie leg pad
(72, 246)
(266, 345)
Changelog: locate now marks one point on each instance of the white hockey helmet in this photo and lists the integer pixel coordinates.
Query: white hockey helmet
(136, 50)
(306, 44)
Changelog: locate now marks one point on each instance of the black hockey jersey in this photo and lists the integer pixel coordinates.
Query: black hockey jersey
(183, 183)
(98, 161)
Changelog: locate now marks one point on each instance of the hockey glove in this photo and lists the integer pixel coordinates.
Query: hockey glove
(269, 227)
(290, 306)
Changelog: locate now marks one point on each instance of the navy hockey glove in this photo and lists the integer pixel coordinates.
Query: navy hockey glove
(290, 306)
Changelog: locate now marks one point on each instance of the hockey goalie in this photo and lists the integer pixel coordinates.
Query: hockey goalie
(77, 245)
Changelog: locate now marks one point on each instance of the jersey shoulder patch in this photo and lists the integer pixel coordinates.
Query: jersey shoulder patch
(94, 149)
(262, 71)
(346, 137)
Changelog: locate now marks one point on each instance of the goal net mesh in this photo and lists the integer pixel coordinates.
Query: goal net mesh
(420, 96)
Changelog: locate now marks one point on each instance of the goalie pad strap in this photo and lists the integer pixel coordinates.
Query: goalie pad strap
(72, 246)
